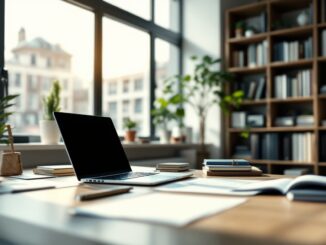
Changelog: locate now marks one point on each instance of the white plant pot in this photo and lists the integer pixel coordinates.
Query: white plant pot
(165, 136)
(49, 132)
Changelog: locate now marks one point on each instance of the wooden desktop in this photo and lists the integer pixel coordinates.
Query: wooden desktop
(44, 217)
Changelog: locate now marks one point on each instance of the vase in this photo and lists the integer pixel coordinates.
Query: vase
(303, 18)
(49, 132)
(165, 136)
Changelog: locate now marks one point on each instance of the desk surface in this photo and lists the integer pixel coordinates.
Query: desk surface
(43, 217)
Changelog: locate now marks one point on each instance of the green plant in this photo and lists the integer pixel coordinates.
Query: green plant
(240, 24)
(205, 88)
(129, 124)
(51, 103)
(169, 106)
(5, 104)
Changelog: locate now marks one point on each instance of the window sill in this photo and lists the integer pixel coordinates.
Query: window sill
(40, 146)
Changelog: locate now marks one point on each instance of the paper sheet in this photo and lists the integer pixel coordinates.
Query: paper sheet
(221, 186)
(165, 208)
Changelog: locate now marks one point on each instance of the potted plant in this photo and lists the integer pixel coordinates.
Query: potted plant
(250, 31)
(49, 131)
(130, 127)
(239, 28)
(10, 162)
(168, 108)
(205, 88)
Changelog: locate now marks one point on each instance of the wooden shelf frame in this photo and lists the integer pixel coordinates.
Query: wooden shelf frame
(317, 100)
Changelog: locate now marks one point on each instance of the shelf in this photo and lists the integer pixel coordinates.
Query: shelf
(284, 64)
(247, 70)
(281, 162)
(273, 129)
(322, 128)
(322, 96)
(321, 25)
(248, 40)
(292, 100)
(322, 164)
(321, 58)
(293, 32)
(249, 9)
(254, 102)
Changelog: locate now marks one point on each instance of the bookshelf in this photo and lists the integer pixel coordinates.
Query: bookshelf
(287, 54)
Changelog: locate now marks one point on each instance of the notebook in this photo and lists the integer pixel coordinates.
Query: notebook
(97, 155)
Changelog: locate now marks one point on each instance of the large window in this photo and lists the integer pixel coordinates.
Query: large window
(110, 56)
(44, 42)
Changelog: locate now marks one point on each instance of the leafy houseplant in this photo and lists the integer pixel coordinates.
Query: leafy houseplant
(205, 88)
(5, 104)
(239, 28)
(168, 108)
(130, 127)
(49, 131)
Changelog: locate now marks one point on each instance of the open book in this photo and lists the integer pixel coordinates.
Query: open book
(283, 186)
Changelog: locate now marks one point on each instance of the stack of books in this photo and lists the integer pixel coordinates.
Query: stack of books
(230, 167)
(172, 166)
(54, 170)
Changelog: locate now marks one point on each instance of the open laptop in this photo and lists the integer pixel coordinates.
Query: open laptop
(96, 153)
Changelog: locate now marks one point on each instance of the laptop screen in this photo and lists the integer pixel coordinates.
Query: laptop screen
(93, 145)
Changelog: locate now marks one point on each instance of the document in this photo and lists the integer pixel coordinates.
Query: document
(164, 208)
(220, 186)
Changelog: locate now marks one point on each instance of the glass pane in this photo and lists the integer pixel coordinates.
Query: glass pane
(139, 7)
(167, 64)
(167, 14)
(126, 86)
(42, 47)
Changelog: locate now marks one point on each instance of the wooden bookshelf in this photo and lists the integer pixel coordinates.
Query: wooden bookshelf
(303, 64)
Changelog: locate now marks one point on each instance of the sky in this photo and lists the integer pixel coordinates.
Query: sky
(125, 49)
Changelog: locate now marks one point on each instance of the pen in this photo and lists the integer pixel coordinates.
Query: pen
(101, 193)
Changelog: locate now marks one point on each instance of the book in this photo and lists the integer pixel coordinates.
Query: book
(226, 162)
(254, 171)
(285, 185)
(172, 167)
(54, 170)
(307, 195)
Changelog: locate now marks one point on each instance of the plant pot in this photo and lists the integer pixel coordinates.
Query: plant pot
(249, 33)
(238, 32)
(10, 164)
(165, 136)
(49, 132)
(130, 135)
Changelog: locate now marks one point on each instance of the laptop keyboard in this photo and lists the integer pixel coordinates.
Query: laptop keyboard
(130, 175)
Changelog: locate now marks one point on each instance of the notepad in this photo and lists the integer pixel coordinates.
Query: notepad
(54, 170)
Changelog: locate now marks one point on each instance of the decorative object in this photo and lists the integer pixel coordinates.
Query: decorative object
(239, 28)
(130, 127)
(49, 131)
(204, 88)
(303, 18)
(250, 31)
(168, 108)
(10, 161)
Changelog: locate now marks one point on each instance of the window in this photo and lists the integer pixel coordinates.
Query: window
(126, 53)
(112, 87)
(125, 86)
(138, 105)
(138, 86)
(41, 48)
(113, 112)
(167, 14)
(35, 24)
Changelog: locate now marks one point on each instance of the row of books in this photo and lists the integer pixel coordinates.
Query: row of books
(253, 89)
(254, 55)
(323, 10)
(323, 42)
(287, 85)
(275, 146)
(293, 50)
(322, 147)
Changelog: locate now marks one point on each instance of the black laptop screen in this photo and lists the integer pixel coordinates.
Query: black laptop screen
(93, 145)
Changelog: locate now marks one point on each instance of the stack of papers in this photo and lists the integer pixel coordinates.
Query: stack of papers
(164, 208)
(173, 167)
(54, 170)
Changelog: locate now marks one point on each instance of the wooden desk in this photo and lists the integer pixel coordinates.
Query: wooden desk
(42, 217)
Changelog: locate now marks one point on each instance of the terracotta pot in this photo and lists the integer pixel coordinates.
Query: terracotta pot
(130, 135)
(238, 32)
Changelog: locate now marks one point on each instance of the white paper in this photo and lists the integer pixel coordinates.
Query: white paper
(165, 208)
(220, 186)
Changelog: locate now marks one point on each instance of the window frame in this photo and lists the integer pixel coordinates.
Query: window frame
(101, 9)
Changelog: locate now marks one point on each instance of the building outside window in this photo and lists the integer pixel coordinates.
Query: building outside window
(125, 106)
(113, 87)
(138, 84)
(138, 106)
(125, 85)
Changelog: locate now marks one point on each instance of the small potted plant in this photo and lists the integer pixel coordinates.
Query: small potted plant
(130, 127)
(49, 130)
(239, 28)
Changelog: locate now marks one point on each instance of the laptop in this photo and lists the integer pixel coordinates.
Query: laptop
(97, 155)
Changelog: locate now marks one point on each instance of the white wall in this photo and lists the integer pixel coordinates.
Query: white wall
(203, 34)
